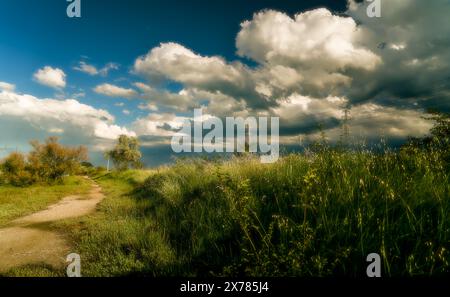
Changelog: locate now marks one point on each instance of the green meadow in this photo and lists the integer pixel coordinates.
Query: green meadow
(319, 214)
(16, 202)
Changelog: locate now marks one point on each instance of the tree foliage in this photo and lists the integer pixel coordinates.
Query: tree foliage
(441, 130)
(439, 138)
(51, 160)
(14, 170)
(47, 162)
(126, 153)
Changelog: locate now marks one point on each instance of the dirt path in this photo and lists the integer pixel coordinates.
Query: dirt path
(28, 240)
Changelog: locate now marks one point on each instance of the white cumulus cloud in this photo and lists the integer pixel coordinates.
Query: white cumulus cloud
(115, 91)
(74, 122)
(51, 77)
(314, 38)
(92, 70)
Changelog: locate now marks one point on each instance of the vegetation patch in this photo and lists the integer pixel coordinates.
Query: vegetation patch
(16, 202)
(315, 215)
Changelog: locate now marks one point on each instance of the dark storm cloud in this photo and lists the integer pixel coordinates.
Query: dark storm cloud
(309, 67)
(416, 55)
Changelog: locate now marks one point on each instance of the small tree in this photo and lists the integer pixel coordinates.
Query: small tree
(126, 153)
(47, 162)
(439, 134)
(439, 138)
(50, 161)
(441, 129)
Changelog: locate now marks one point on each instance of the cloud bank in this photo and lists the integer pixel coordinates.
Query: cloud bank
(312, 66)
(25, 117)
(305, 68)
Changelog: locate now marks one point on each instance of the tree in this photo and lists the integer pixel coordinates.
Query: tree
(441, 129)
(126, 153)
(439, 134)
(47, 162)
(51, 161)
(439, 138)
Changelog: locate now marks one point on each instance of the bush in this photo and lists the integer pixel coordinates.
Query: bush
(51, 161)
(13, 164)
(22, 179)
(14, 170)
(47, 162)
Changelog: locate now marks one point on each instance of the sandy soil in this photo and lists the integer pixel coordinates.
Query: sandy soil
(29, 240)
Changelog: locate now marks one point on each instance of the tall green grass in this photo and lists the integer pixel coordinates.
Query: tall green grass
(306, 215)
(120, 238)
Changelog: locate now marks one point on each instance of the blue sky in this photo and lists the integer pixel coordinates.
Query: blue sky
(300, 60)
(117, 31)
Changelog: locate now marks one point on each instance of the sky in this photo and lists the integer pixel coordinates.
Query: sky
(141, 67)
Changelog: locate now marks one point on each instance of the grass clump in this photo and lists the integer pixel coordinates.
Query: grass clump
(35, 270)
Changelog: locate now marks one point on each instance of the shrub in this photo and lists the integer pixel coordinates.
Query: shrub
(14, 170)
(51, 161)
(22, 179)
(47, 162)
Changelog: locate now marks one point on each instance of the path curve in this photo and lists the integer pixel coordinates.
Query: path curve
(27, 241)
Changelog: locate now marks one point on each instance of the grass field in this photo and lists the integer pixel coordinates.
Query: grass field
(117, 240)
(316, 215)
(16, 202)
